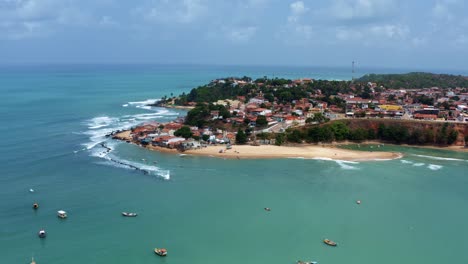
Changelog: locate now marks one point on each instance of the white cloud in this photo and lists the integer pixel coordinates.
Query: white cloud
(390, 31)
(441, 11)
(373, 33)
(174, 11)
(419, 41)
(360, 9)
(241, 35)
(297, 31)
(33, 18)
(462, 40)
(107, 21)
(297, 9)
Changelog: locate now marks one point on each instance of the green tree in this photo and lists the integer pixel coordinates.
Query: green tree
(371, 134)
(184, 132)
(319, 117)
(358, 134)
(279, 139)
(452, 136)
(205, 137)
(295, 136)
(340, 131)
(241, 137)
(261, 121)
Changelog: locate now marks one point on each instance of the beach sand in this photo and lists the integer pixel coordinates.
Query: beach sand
(303, 151)
(274, 152)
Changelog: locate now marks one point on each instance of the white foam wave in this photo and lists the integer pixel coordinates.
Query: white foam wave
(154, 170)
(439, 158)
(419, 164)
(147, 107)
(434, 167)
(344, 165)
(323, 158)
(100, 146)
(145, 102)
(406, 162)
(100, 121)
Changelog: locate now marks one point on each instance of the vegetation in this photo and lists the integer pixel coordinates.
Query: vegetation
(184, 132)
(416, 80)
(200, 115)
(393, 133)
(241, 137)
(261, 121)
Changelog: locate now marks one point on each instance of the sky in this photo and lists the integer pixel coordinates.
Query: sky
(382, 33)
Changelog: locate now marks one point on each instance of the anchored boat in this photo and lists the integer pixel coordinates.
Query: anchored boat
(160, 251)
(62, 214)
(42, 233)
(306, 262)
(330, 243)
(129, 214)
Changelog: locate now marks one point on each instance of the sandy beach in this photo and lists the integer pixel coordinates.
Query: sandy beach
(306, 151)
(271, 151)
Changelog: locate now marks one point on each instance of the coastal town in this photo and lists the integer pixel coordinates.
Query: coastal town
(260, 111)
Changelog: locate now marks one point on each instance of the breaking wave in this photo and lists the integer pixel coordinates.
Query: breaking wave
(440, 158)
(100, 146)
(344, 164)
(434, 167)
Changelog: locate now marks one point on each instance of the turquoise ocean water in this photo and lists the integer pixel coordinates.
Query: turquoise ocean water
(204, 210)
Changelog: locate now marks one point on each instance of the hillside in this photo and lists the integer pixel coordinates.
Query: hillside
(416, 80)
(387, 130)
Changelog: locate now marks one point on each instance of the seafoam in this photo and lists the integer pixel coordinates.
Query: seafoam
(100, 146)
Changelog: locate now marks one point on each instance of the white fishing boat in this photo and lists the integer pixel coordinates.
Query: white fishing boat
(306, 262)
(62, 214)
(42, 233)
(160, 251)
(129, 214)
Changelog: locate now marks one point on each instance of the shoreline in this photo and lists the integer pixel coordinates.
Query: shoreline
(299, 152)
(460, 149)
(305, 151)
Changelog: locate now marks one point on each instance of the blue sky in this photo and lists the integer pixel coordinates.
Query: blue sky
(384, 33)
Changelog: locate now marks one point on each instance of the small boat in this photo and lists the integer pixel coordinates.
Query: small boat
(32, 260)
(35, 205)
(62, 214)
(306, 262)
(42, 233)
(31, 190)
(161, 252)
(330, 243)
(358, 201)
(267, 209)
(129, 214)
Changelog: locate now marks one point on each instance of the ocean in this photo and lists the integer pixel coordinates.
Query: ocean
(203, 210)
